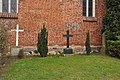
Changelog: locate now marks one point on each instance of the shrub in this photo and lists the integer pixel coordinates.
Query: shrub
(87, 44)
(3, 38)
(42, 42)
(35, 51)
(21, 54)
(111, 27)
(113, 48)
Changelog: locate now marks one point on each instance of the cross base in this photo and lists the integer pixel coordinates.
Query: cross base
(68, 51)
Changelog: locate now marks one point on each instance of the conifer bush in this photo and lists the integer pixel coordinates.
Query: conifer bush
(111, 27)
(42, 45)
(113, 48)
(87, 44)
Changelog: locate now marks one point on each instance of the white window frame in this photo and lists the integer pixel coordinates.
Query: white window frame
(0, 5)
(93, 8)
(17, 5)
(9, 6)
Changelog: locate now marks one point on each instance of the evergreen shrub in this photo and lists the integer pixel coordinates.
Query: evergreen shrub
(87, 44)
(111, 27)
(42, 45)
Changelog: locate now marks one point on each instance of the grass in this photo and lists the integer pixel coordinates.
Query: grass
(90, 67)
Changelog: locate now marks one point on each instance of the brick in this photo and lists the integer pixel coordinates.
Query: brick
(56, 14)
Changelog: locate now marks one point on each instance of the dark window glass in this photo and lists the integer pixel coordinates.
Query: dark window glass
(90, 8)
(13, 6)
(5, 6)
(84, 7)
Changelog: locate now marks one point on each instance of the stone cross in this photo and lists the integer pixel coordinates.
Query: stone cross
(17, 30)
(67, 36)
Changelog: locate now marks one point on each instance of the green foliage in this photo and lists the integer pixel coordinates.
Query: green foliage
(111, 20)
(3, 38)
(35, 51)
(111, 25)
(87, 44)
(42, 45)
(114, 48)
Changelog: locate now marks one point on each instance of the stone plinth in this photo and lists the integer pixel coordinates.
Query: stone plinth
(68, 51)
(15, 51)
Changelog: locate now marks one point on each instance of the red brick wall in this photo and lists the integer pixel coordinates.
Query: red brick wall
(9, 20)
(56, 14)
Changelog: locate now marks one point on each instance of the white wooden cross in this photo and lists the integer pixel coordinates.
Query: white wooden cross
(17, 30)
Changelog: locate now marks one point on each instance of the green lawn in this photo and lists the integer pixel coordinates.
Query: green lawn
(91, 67)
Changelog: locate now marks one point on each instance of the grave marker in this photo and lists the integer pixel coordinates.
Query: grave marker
(17, 30)
(68, 50)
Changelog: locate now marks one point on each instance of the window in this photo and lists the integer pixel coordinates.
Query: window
(10, 6)
(14, 6)
(84, 7)
(5, 5)
(89, 8)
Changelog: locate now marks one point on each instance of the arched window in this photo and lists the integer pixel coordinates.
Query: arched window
(89, 8)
